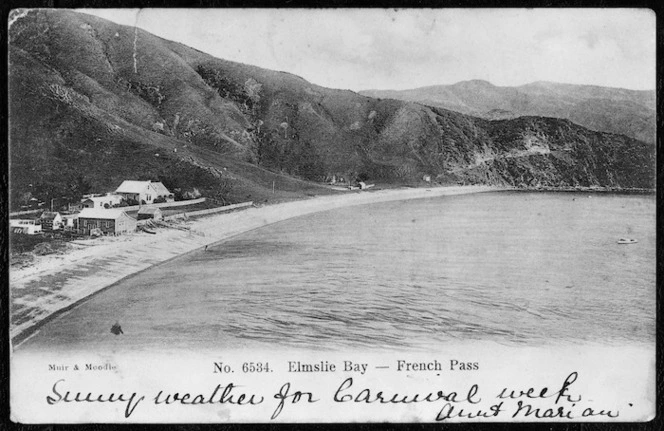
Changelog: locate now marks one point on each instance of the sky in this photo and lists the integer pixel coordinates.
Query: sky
(361, 49)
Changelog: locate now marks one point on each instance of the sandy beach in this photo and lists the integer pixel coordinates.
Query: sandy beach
(54, 283)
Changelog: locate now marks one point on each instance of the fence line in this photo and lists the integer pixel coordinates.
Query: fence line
(210, 210)
(164, 204)
(26, 212)
(134, 207)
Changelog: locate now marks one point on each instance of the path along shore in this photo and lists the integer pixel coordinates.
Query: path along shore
(54, 283)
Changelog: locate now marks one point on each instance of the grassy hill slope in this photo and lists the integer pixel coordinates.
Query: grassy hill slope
(93, 103)
(613, 110)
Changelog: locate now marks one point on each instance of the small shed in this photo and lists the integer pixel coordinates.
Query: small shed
(68, 220)
(150, 213)
(75, 207)
(87, 203)
(108, 221)
(51, 220)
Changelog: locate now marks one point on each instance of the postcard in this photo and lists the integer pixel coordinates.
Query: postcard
(332, 215)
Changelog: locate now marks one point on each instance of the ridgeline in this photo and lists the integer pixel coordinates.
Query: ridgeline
(93, 103)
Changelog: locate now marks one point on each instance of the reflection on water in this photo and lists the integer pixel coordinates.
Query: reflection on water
(514, 268)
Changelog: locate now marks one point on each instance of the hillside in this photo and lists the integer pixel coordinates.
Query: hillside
(93, 103)
(613, 110)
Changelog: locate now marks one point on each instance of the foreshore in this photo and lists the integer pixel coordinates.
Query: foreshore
(55, 283)
(612, 190)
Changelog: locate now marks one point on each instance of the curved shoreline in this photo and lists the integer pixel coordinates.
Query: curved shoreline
(58, 284)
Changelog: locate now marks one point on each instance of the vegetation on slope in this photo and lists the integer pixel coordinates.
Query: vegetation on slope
(93, 103)
(613, 110)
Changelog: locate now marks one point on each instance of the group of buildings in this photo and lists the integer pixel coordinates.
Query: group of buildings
(103, 214)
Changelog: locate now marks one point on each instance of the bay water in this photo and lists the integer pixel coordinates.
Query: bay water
(514, 268)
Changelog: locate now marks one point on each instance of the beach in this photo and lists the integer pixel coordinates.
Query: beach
(55, 283)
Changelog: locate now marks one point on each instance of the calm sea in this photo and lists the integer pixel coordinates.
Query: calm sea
(513, 268)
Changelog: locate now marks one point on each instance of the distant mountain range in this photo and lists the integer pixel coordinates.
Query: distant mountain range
(614, 110)
(93, 103)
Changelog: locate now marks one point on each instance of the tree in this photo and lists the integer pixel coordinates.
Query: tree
(252, 89)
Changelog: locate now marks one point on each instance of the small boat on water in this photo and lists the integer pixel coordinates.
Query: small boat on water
(627, 241)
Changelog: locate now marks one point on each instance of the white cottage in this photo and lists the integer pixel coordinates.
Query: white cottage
(140, 191)
(163, 192)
